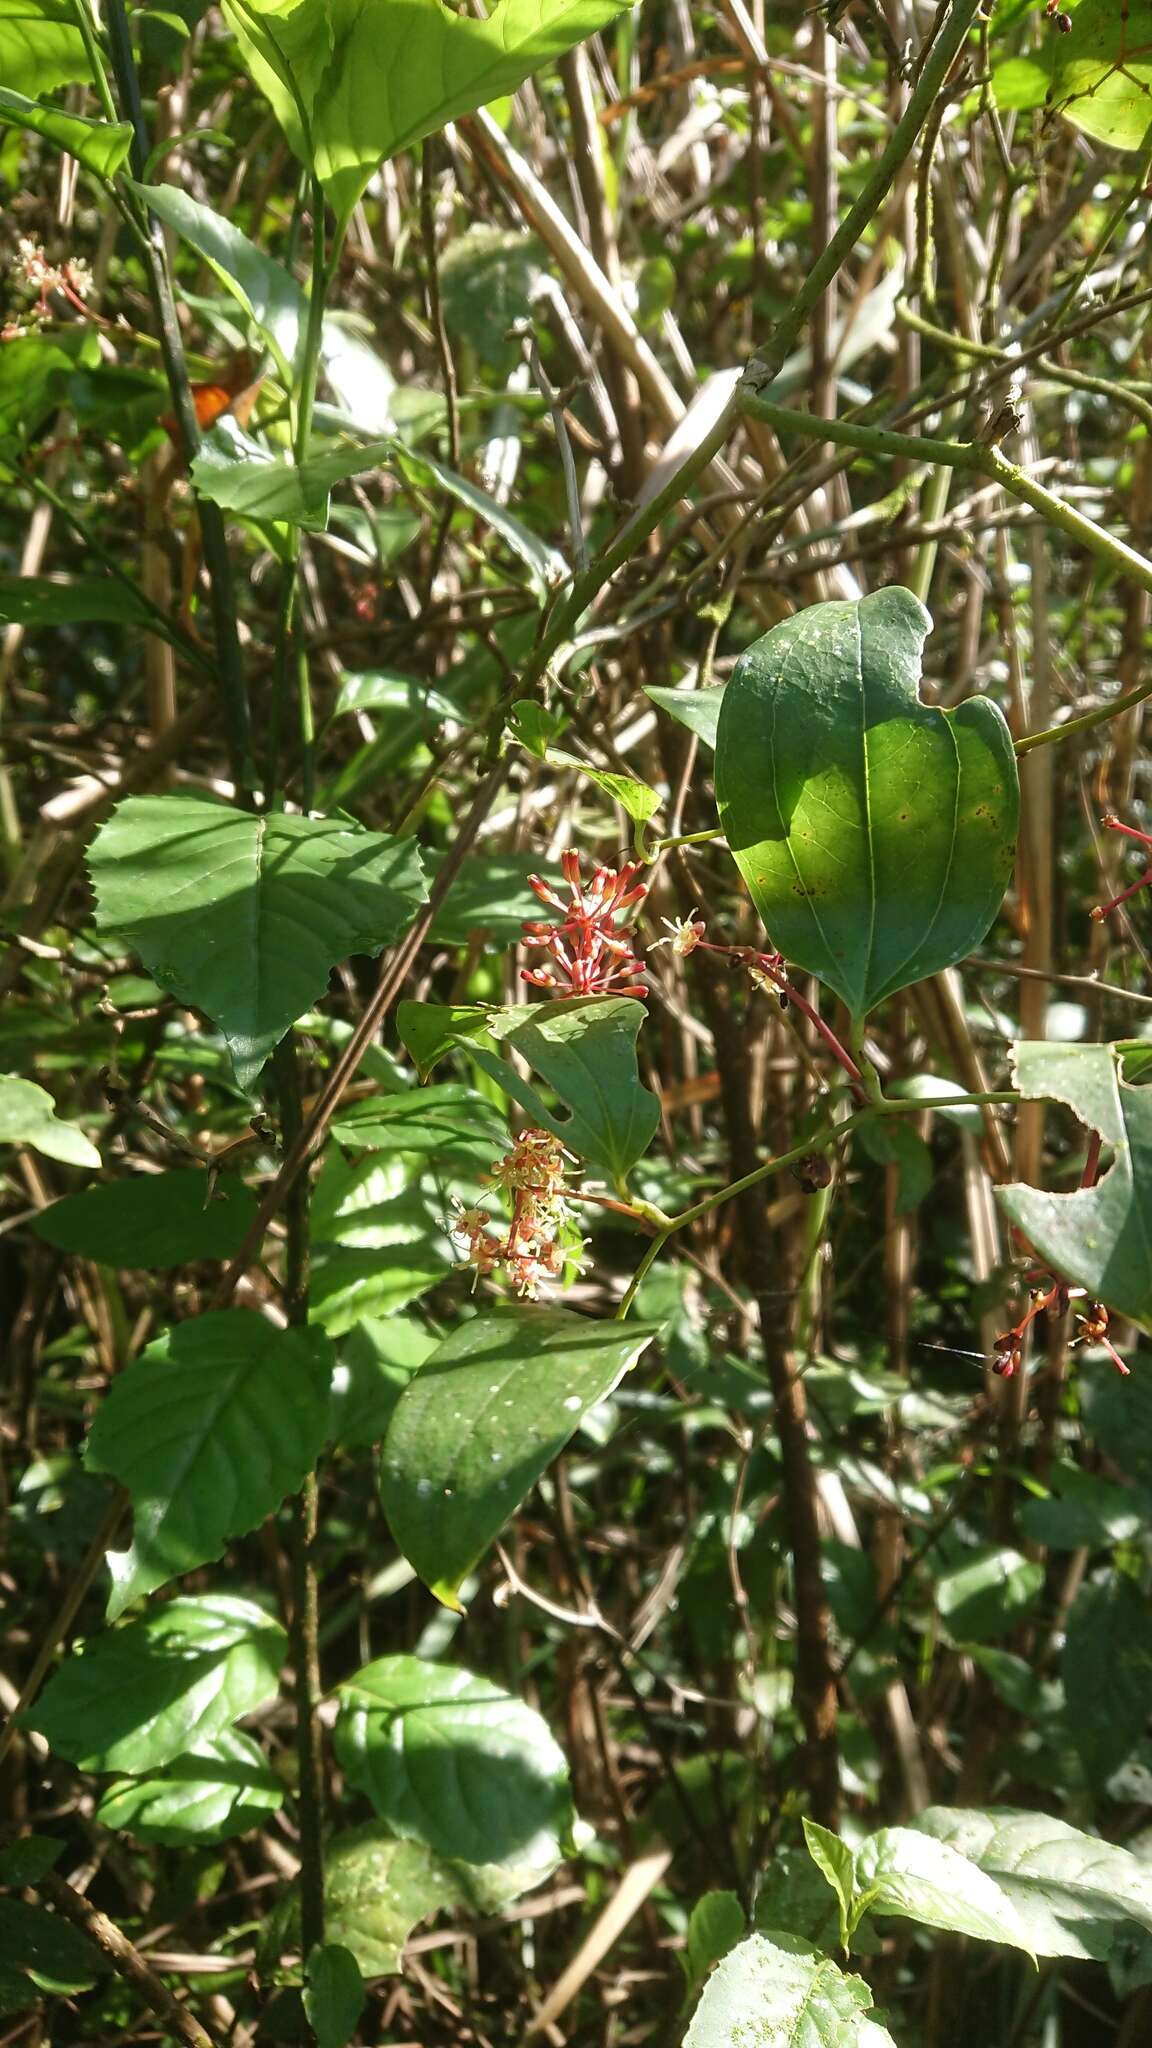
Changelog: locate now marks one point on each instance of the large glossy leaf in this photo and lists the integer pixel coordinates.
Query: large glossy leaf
(1102, 71)
(773, 1991)
(152, 1220)
(208, 1430)
(102, 146)
(1101, 1237)
(370, 77)
(482, 1419)
(584, 1049)
(223, 1790)
(1072, 1893)
(40, 46)
(916, 1877)
(1109, 1637)
(244, 917)
(268, 293)
(455, 1762)
(28, 1117)
(875, 833)
(138, 1696)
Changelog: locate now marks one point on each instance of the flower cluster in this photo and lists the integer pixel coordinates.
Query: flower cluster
(1055, 1300)
(539, 1242)
(1113, 824)
(72, 278)
(590, 956)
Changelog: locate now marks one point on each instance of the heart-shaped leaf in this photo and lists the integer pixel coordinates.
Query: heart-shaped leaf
(481, 1420)
(455, 1762)
(773, 1991)
(875, 833)
(160, 1687)
(1099, 1237)
(208, 1430)
(358, 80)
(244, 917)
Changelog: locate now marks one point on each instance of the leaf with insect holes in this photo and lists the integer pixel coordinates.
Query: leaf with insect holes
(1099, 1238)
(875, 832)
(1102, 71)
(354, 81)
(773, 1991)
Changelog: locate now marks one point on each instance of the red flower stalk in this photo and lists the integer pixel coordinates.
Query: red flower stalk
(1112, 824)
(591, 956)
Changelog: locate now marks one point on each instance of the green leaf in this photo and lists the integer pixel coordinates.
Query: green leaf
(987, 1597)
(28, 1860)
(53, 1954)
(222, 1790)
(1084, 1511)
(377, 1888)
(1102, 72)
(240, 475)
(534, 727)
(101, 146)
(490, 895)
(1101, 1237)
(268, 293)
(56, 601)
(152, 1220)
(715, 1924)
(455, 1762)
(699, 710)
(834, 1860)
(891, 1143)
(916, 1877)
(377, 1359)
(244, 917)
(350, 1286)
(584, 1048)
(320, 62)
(545, 564)
(451, 1124)
(489, 278)
(40, 46)
(482, 1419)
(1118, 1418)
(875, 833)
(1071, 1892)
(208, 1430)
(135, 1697)
(773, 1991)
(28, 1117)
(1107, 1673)
(384, 689)
(333, 1995)
(636, 799)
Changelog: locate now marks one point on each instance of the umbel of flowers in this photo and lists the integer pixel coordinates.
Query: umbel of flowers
(539, 1241)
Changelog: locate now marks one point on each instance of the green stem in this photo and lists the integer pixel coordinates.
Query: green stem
(95, 55)
(230, 665)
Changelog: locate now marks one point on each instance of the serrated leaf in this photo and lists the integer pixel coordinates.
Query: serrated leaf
(101, 146)
(268, 293)
(320, 63)
(455, 1762)
(916, 1877)
(208, 1430)
(875, 833)
(1107, 1672)
(333, 1995)
(584, 1048)
(482, 1419)
(1070, 1890)
(28, 1117)
(773, 1991)
(222, 1790)
(137, 1696)
(1099, 1237)
(40, 46)
(152, 1220)
(244, 917)
(1102, 71)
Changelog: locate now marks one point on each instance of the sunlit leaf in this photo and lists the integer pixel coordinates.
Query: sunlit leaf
(773, 1991)
(1102, 71)
(1072, 1893)
(268, 293)
(101, 146)
(28, 1117)
(223, 1790)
